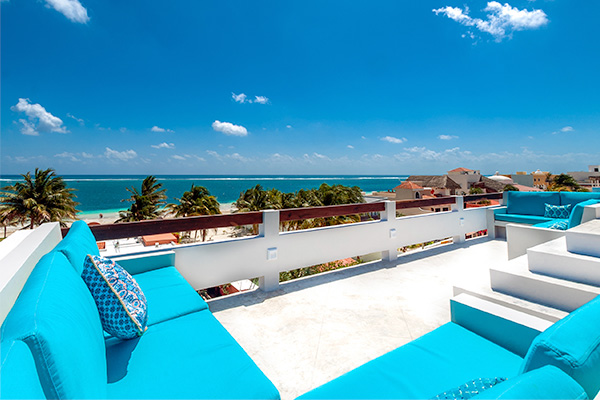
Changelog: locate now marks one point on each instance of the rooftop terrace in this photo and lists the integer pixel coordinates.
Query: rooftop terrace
(312, 330)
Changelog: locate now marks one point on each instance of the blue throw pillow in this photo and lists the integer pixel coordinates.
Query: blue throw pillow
(561, 225)
(552, 211)
(469, 389)
(121, 303)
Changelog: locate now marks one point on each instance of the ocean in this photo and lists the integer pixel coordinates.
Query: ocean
(104, 193)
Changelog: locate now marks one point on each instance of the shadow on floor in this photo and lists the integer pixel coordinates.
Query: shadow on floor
(258, 296)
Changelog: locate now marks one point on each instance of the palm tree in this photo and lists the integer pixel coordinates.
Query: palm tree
(565, 183)
(145, 203)
(43, 197)
(196, 201)
(256, 199)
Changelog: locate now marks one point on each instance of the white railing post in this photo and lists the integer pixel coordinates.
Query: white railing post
(459, 206)
(269, 230)
(389, 215)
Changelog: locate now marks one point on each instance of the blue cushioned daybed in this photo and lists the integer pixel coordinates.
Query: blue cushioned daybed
(562, 362)
(53, 344)
(530, 207)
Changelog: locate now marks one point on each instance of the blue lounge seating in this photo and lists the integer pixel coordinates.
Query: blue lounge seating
(566, 356)
(54, 339)
(528, 207)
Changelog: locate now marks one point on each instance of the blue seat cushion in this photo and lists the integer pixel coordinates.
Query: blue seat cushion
(444, 358)
(522, 219)
(77, 244)
(55, 315)
(558, 224)
(577, 213)
(188, 357)
(573, 198)
(18, 374)
(573, 345)
(168, 294)
(469, 389)
(530, 203)
(544, 383)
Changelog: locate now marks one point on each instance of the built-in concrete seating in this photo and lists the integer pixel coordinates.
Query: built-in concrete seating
(561, 362)
(53, 344)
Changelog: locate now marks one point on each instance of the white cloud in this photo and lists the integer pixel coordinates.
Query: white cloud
(39, 120)
(321, 156)
(447, 137)
(67, 155)
(178, 157)
(392, 139)
(288, 126)
(229, 129)
(86, 155)
(122, 129)
(72, 9)
(120, 155)
(567, 129)
(350, 146)
(237, 157)
(240, 98)
(81, 121)
(163, 145)
(160, 130)
(501, 21)
(261, 99)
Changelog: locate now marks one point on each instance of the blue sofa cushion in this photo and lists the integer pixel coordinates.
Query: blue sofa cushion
(577, 197)
(522, 219)
(469, 389)
(530, 203)
(545, 383)
(120, 301)
(56, 317)
(77, 244)
(573, 345)
(554, 211)
(577, 213)
(437, 361)
(189, 357)
(18, 376)
(558, 224)
(168, 294)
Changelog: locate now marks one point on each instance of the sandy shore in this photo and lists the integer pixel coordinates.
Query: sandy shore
(109, 217)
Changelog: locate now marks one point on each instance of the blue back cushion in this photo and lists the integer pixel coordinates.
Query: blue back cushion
(544, 383)
(577, 197)
(78, 243)
(18, 376)
(573, 345)
(577, 213)
(530, 203)
(56, 317)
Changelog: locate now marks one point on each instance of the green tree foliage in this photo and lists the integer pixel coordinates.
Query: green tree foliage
(510, 188)
(146, 203)
(43, 197)
(565, 183)
(257, 199)
(475, 190)
(196, 201)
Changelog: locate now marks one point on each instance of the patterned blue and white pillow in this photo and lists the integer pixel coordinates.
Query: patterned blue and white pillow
(559, 225)
(469, 389)
(121, 303)
(552, 211)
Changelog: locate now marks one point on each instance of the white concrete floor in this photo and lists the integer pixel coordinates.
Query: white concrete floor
(315, 329)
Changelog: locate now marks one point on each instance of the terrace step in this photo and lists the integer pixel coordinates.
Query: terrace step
(515, 279)
(584, 239)
(517, 304)
(514, 330)
(554, 259)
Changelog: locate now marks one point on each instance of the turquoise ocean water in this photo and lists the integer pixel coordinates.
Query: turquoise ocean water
(103, 193)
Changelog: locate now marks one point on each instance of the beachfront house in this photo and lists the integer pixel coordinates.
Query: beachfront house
(515, 312)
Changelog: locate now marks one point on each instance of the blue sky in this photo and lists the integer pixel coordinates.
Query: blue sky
(312, 87)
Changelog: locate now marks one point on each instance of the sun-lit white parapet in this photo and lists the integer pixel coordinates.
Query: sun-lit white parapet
(271, 252)
(19, 253)
(519, 238)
